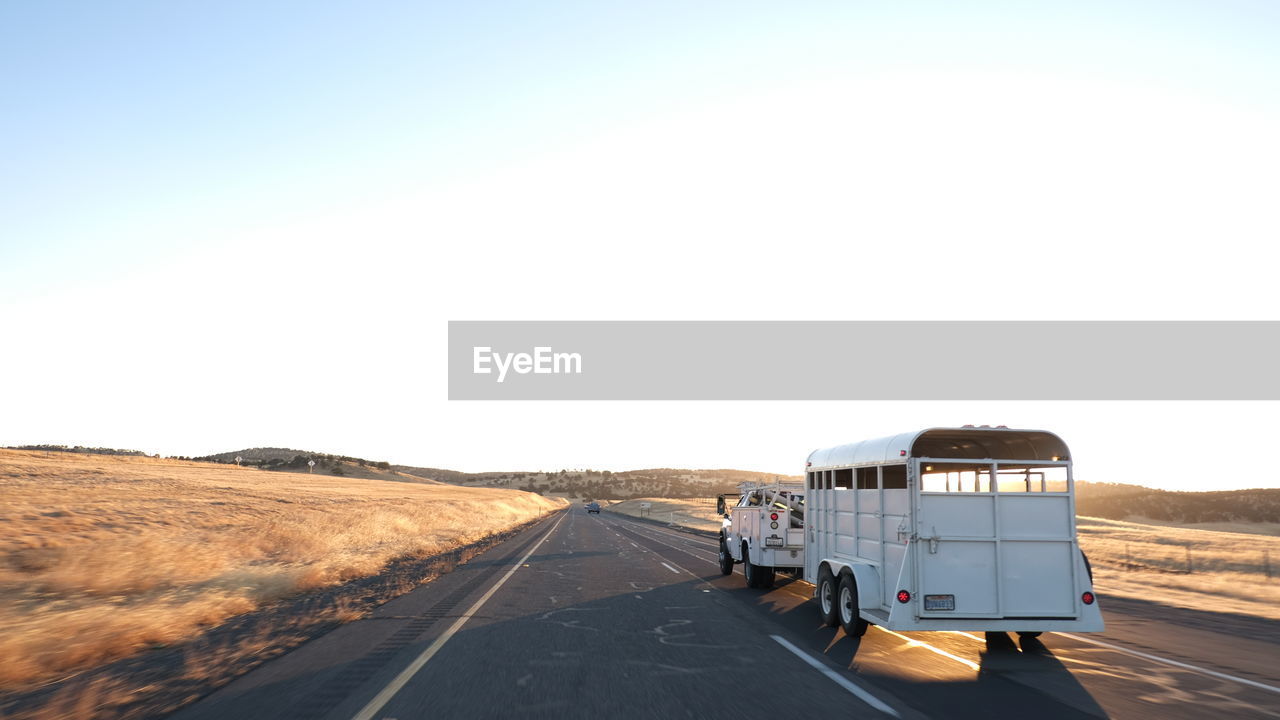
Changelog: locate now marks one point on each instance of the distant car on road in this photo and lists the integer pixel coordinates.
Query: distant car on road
(593, 508)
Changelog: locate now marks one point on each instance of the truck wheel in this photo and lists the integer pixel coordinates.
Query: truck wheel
(850, 620)
(827, 598)
(749, 569)
(726, 560)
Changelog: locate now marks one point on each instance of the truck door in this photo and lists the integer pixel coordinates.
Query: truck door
(995, 549)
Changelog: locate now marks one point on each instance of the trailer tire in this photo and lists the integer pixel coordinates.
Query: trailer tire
(1028, 635)
(726, 560)
(1087, 567)
(850, 620)
(827, 598)
(749, 569)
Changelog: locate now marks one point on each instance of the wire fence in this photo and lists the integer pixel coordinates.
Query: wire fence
(1128, 547)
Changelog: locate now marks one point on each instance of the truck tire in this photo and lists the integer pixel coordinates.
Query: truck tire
(847, 603)
(749, 569)
(827, 598)
(726, 560)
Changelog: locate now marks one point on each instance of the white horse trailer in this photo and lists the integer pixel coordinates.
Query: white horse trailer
(967, 528)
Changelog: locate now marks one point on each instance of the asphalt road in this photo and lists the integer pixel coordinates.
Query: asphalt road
(601, 616)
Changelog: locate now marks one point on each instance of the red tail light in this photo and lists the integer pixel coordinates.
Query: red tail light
(1087, 598)
(904, 596)
(773, 516)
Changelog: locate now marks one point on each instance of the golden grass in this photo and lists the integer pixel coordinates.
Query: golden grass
(107, 555)
(1228, 568)
(697, 513)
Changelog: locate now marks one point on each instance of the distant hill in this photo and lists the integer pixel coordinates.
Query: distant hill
(604, 484)
(289, 460)
(1118, 502)
(1114, 501)
(79, 449)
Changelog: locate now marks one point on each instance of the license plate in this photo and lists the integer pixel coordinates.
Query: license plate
(939, 602)
(774, 541)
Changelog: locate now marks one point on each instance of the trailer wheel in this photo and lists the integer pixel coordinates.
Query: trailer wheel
(726, 560)
(850, 620)
(827, 598)
(749, 568)
(1028, 635)
(1088, 568)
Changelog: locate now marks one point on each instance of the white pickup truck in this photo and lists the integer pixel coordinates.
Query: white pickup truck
(764, 531)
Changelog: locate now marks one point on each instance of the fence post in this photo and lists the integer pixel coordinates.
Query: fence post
(1266, 562)
(1188, 557)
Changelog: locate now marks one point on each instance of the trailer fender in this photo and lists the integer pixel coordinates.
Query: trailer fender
(867, 578)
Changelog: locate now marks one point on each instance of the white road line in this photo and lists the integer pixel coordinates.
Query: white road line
(673, 547)
(836, 677)
(670, 568)
(1175, 663)
(388, 692)
(927, 646)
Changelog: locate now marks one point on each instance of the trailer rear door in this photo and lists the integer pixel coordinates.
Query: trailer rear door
(1001, 549)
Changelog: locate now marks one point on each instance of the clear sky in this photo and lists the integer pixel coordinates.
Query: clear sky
(238, 224)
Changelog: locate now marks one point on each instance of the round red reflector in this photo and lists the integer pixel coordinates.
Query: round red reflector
(1087, 598)
(904, 596)
(773, 516)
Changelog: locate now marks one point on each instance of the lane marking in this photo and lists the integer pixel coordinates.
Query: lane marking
(670, 568)
(837, 678)
(388, 692)
(1174, 663)
(920, 643)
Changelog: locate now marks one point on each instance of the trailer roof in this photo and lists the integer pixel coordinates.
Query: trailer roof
(972, 443)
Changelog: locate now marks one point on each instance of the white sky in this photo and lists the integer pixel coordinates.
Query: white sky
(249, 274)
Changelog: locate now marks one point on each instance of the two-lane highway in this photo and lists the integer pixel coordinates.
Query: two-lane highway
(602, 616)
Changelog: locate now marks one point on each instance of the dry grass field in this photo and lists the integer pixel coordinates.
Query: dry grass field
(1186, 567)
(697, 513)
(102, 556)
(1228, 570)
